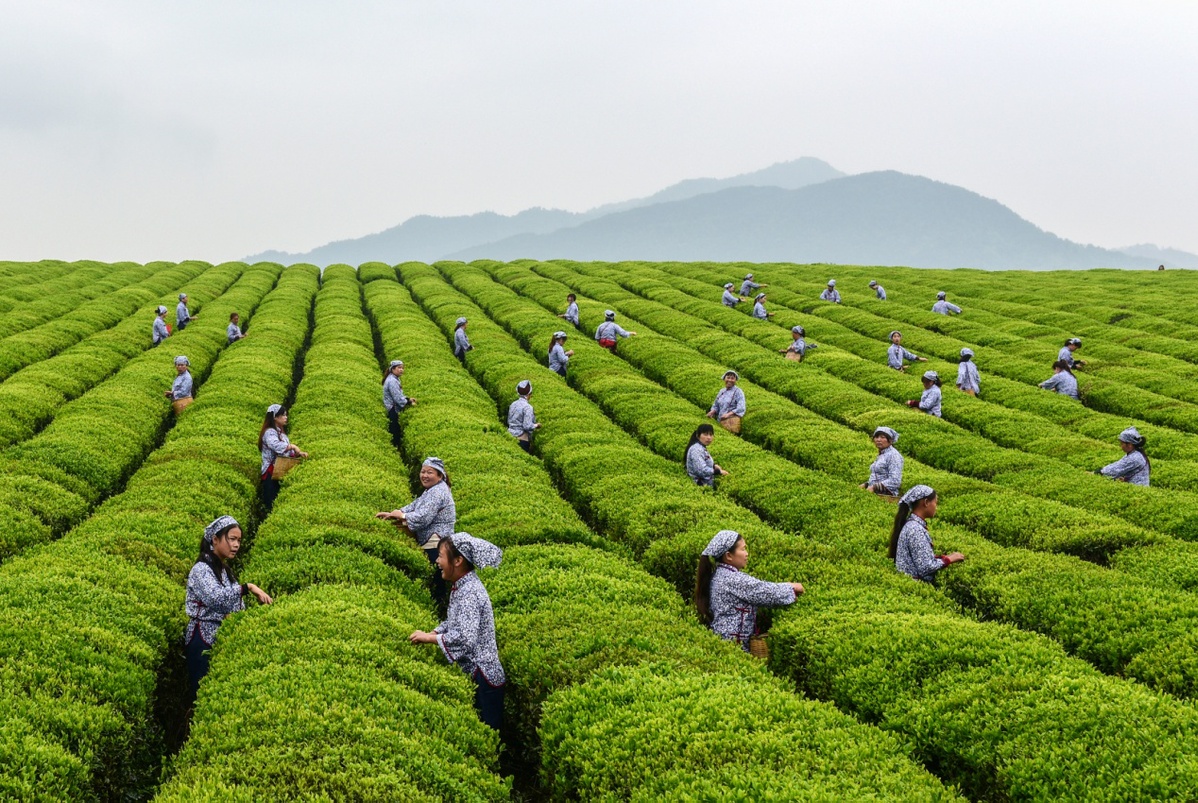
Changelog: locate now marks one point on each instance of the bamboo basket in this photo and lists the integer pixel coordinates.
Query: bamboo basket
(284, 465)
(731, 423)
(758, 647)
(794, 355)
(180, 405)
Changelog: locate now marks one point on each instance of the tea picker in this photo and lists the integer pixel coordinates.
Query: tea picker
(886, 472)
(279, 454)
(521, 419)
(182, 315)
(429, 517)
(700, 466)
(180, 393)
(897, 356)
(798, 347)
(729, 405)
(910, 543)
(607, 332)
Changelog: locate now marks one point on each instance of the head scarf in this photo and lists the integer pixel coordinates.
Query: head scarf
(941, 294)
(748, 276)
(182, 296)
(723, 541)
(274, 409)
(1132, 435)
(396, 363)
(966, 352)
(218, 524)
(931, 376)
(481, 554)
(524, 388)
(895, 332)
(873, 283)
(459, 321)
(915, 494)
(735, 375)
(831, 283)
(436, 464)
(557, 335)
(181, 360)
(797, 330)
(889, 433)
(1073, 341)
(759, 296)
(609, 315)
(161, 310)
(729, 286)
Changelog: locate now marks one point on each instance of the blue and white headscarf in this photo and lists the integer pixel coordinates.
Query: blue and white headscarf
(915, 494)
(218, 525)
(181, 360)
(436, 464)
(482, 554)
(889, 433)
(719, 546)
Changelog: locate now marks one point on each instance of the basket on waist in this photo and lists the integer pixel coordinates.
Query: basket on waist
(731, 423)
(179, 405)
(758, 647)
(283, 465)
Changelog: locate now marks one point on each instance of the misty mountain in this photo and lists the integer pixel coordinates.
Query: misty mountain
(1169, 257)
(428, 238)
(883, 218)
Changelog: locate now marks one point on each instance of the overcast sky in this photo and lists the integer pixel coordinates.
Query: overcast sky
(172, 130)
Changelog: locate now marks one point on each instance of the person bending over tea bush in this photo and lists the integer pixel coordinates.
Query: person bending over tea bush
(726, 597)
(910, 544)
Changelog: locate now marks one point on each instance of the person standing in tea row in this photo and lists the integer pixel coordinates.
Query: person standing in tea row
(607, 332)
(1065, 355)
(182, 315)
(273, 444)
(897, 356)
(559, 357)
(748, 285)
(798, 346)
(700, 466)
(467, 635)
(159, 331)
(886, 472)
(759, 308)
(943, 307)
(429, 517)
(726, 597)
(521, 418)
(879, 290)
(182, 386)
(830, 292)
(1062, 380)
(968, 378)
(461, 343)
(730, 299)
(1134, 467)
(929, 401)
(729, 402)
(571, 313)
(394, 400)
(233, 333)
(910, 543)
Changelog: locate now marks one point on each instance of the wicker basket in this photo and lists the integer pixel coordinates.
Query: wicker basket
(180, 405)
(284, 465)
(794, 355)
(758, 647)
(731, 423)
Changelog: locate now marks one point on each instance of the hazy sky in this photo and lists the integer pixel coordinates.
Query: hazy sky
(168, 130)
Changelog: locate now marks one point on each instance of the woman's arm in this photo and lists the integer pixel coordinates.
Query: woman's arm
(759, 592)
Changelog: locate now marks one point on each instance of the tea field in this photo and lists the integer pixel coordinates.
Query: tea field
(1059, 661)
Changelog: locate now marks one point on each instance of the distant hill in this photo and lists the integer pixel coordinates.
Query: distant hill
(1169, 257)
(429, 238)
(884, 218)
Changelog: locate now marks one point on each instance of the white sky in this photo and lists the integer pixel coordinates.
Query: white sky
(169, 130)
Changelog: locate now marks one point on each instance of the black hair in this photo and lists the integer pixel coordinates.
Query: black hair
(553, 340)
(703, 574)
(233, 315)
(269, 423)
(1139, 447)
(1063, 365)
(571, 297)
(387, 373)
(937, 381)
(702, 429)
(208, 557)
(900, 518)
(966, 358)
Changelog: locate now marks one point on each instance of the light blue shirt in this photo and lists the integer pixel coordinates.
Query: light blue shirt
(759, 311)
(896, 354)
(1132, 467)
(944, 308)
(558, 360)
(393, 395)
(729, 401)
(968, 377)
(929, 401)
(1064, 383)
(181, 389)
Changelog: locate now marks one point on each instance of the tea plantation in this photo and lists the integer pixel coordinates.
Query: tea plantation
(1058, 662)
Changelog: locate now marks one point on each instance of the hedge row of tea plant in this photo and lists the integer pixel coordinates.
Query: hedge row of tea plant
(97, 441)
(698, 280)
(658, 507)
(16, 276)
(564, 613)
(30, 397)
(320, 695)
(91, 624)
(1095, 613)
(57, 297)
